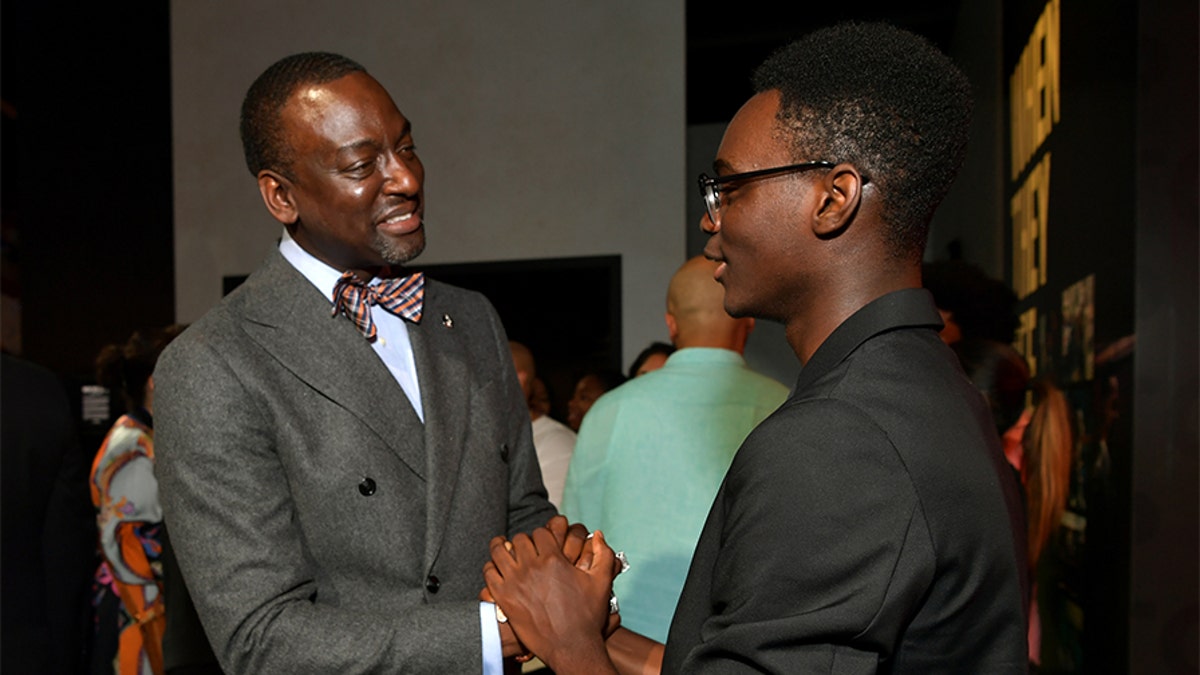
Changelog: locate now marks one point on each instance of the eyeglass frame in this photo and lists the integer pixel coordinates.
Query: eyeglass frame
(710, 185)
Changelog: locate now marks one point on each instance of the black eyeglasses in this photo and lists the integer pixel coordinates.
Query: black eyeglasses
(710, 188)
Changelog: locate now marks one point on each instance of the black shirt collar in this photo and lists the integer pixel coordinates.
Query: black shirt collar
(906, 308)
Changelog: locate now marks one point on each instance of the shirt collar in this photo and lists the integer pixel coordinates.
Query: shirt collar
(705, 355)
(906, 308)
(322, 276)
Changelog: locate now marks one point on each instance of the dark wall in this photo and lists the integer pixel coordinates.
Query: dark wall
(87, 186)
(1165, 558)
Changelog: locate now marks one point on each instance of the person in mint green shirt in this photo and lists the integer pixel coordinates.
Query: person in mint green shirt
(651, 453)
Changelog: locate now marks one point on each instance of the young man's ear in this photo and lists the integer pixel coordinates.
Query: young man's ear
(839, 198)
(277, 195)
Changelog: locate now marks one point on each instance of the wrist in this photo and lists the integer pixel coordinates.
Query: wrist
(589, 657)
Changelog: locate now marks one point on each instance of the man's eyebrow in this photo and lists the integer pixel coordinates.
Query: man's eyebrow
(406, 130)
(371, 143)
(721, 165)
(358, 145)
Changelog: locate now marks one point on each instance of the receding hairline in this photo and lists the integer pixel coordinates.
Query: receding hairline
(266, 98)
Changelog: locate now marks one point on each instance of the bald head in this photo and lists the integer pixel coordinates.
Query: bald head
(523, 362)
(696, 314)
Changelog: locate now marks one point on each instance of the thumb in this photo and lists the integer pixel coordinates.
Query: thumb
(603, 560)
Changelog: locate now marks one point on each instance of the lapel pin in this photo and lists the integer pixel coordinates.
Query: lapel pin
(447, 321)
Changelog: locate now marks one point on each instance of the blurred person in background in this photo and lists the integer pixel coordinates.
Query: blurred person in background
(1033, 420)
(651, 358)
(125, 493)
(654, 450)
(553, 440)
(588, 388)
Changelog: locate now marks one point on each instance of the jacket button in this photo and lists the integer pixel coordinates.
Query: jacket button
(504, 451)
(432, 584)
(367, 487)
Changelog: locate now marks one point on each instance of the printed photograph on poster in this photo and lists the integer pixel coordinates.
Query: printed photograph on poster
(1078, 314)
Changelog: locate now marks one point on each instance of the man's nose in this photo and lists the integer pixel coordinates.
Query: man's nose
(404, 175)
(707, 225)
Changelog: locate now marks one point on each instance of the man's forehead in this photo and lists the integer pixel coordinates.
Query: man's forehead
(754, 133)
(313, 93)
(348, 106)
(349, 90)
(759, 115)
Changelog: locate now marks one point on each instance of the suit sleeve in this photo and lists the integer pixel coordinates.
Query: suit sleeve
(227, 501)
(818, 552)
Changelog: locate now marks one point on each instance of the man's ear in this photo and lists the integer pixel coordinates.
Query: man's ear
(672, 326)
(840, 192)
(741, 334)
(277, 195)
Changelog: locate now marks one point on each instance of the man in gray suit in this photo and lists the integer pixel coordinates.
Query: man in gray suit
(331, 482)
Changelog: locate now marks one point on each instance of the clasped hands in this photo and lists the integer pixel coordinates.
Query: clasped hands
(554, 587)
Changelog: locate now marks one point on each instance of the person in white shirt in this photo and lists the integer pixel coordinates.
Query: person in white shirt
(553, 440)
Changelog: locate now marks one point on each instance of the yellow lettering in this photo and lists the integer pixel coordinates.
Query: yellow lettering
(1033, 90)
(1030, 217)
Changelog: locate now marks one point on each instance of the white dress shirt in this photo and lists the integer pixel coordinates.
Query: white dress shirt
(391, 335)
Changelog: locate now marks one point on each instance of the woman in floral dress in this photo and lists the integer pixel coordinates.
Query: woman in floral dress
(125, 493)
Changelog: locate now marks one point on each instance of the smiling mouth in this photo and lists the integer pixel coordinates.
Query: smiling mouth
(401, 223)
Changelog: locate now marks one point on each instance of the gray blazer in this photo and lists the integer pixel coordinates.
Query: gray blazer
(320, 526)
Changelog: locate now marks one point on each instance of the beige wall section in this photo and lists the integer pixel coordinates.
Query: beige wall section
(547, 129)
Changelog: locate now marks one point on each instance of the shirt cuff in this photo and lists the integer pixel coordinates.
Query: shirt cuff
(493, 652)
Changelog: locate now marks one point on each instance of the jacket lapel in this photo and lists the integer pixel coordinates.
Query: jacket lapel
(442, 367)
(291, 319)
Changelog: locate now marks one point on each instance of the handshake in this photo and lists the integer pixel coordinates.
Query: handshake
(553, 595)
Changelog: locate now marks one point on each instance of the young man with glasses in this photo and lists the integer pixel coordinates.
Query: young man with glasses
(869, 525)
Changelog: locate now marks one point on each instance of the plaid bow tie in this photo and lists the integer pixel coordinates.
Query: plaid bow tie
(403, 297)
